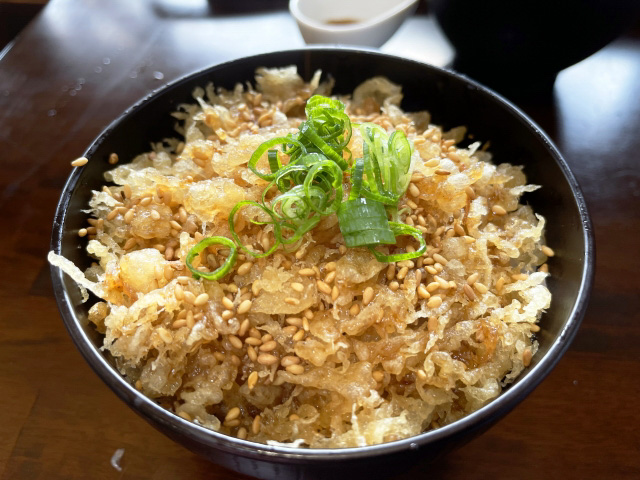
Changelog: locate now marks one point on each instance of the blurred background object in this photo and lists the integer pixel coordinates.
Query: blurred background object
(518, 48)
(14, 15)
(367, 23)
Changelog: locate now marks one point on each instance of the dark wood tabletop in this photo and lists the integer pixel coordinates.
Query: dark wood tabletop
(78, 65)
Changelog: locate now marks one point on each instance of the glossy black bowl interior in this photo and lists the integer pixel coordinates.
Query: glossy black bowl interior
(452, 100)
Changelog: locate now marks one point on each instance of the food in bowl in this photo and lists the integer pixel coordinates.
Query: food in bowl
(295, 339)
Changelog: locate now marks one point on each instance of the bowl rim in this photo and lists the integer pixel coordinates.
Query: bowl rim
(148, 409)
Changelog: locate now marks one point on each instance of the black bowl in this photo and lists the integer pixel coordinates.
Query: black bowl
(518, 47)
(453, 100)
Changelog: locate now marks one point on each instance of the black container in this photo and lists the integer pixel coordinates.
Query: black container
(453, 100)
(518, 47)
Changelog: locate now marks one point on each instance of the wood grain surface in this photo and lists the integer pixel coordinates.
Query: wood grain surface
(78, 65)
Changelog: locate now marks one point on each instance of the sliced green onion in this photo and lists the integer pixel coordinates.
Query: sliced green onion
(224, 268)
(268, 145)
(364, 222)
(312, 136)
(402, 229)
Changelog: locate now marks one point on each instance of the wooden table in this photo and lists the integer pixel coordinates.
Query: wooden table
(80, 64)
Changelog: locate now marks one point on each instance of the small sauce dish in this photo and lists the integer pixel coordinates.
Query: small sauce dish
(350, 22)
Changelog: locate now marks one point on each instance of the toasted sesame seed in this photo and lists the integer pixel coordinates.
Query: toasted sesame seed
(244, 326)
(469, 292)
(82, 232)
(526, 356)
(298, 287)
(391, 271)
(481, 288)
(292, 301)
(235, 342)
(330, 267)
(227, 314)
(191, 320)
(421, 374)
(201, 300)
(378, 375)
(290, 329)
(342, 249)
(442, 172)
(267, 359)
(547, 251)
(535, 328)
(295, 369)
(355, 309)
(414, 191)
(252, 380)
(128, 217)
(307, 272)
(470, 192)
(232, 414)
(394, 286)
(79, 162)
(411, 204)
(433, 286)
(422, 292)
(299, 335)
(253, 341)
(179, 323)
(434, 162)
(242, 433)
(297, 321)
(189, 297)
(500, 283)
(236, 360)
(498, 210)
(431, 270)
(244, 307)
(402, 273)
(471, 279)
(227, 303)
(129, 244)
(434, 302)
(367, 295)
(330, 277)
(268, 346)
(323, 287)
(305, 324)
(252, 354)
(439, 258)
(444, 284)
(543, 268)
(334, 293)
(308, 314)
(113, 158)
(146, 201)
(245, 268)
(289, 360)
(185, 416)
(255, 425)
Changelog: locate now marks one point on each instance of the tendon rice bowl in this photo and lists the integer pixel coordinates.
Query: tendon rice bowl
(321, 345)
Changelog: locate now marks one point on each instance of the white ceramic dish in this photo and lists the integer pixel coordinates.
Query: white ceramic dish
(350, 22)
